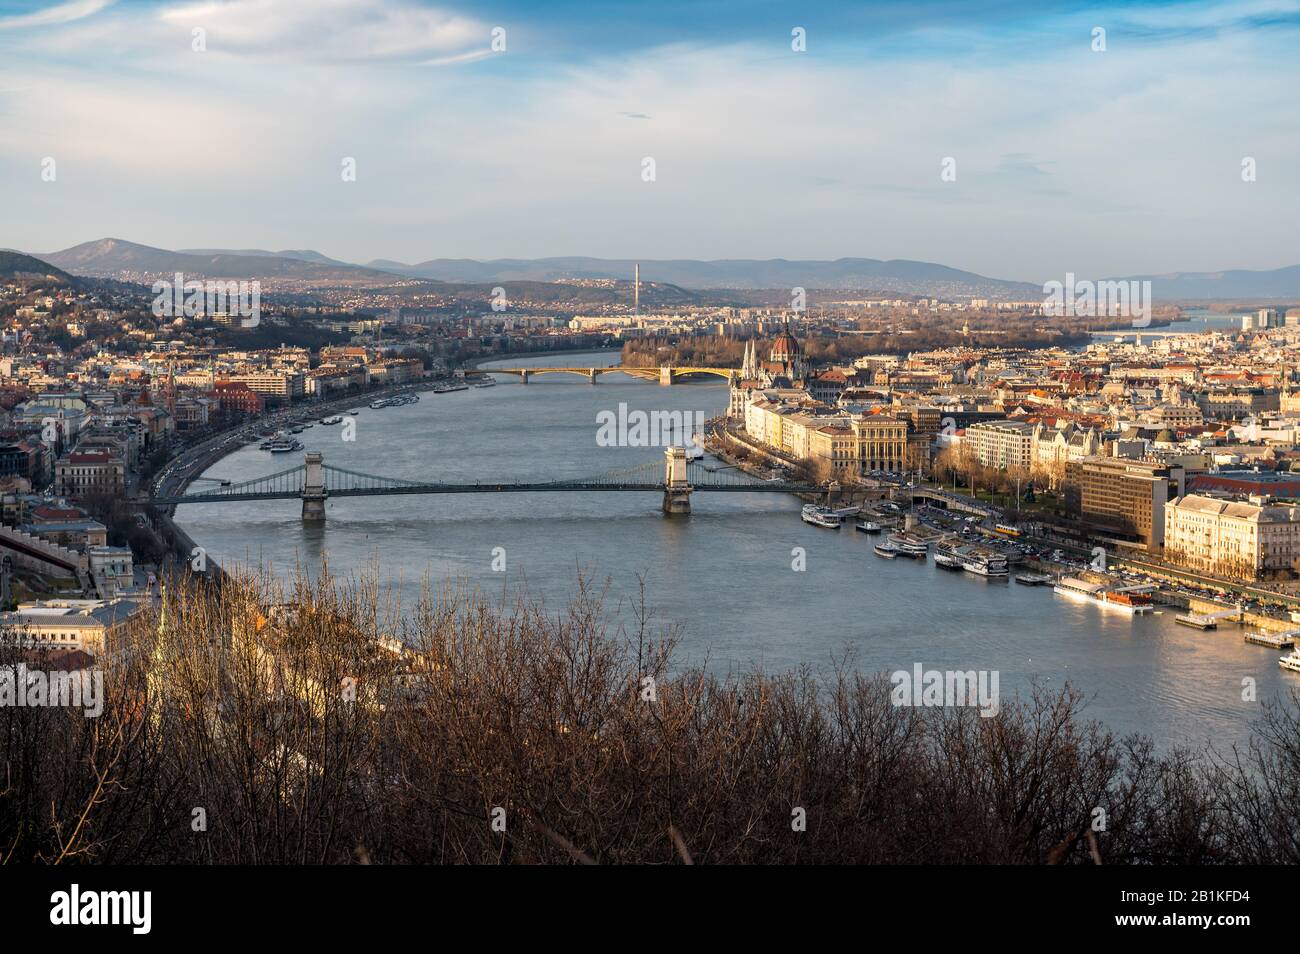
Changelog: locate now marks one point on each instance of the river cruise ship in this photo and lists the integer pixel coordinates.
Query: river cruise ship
(1124, 600)
(820, 517)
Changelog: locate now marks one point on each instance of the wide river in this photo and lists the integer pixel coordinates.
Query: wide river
(724, 574)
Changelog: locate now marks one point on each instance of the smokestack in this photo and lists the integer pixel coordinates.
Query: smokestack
(636, 292)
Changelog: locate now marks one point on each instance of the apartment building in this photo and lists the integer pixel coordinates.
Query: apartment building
(274, 385)
(1002, 444)
(1240, 539)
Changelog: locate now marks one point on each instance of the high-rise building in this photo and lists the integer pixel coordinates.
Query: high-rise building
(1122, 496)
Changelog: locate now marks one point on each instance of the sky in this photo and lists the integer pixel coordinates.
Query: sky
(1065, 157)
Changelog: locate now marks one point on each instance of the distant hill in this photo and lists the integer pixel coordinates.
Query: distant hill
(899, 275)
(18, 265)
(1235, 284)
(300, 254)
(678, 280)
(129, 261)
(117, 258)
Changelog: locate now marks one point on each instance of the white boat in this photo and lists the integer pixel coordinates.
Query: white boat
(1120, 600)
(355, 411)
(869, 526)
(489, 383)
(820, 517)
(887, 550)
(376, 405)
(282, 446)
(1290, 661)
(910, 547)
(946, 558)
(984, 564)
(332, 419)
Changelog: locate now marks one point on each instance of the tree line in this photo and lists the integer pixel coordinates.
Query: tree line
(254, 725)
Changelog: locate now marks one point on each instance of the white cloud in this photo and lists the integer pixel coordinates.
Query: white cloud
(329, 29)
(55, 15)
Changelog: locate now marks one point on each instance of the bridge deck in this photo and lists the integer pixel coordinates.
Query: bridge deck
(340, 482)
(771, 488)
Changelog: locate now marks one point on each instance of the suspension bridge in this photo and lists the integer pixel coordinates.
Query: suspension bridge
(313, 481)
(664, 374)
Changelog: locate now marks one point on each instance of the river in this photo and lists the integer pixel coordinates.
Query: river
(722, 575)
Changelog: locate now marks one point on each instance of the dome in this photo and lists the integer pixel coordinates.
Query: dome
(785, 346)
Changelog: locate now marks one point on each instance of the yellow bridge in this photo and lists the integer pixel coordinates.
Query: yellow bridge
(664, 375)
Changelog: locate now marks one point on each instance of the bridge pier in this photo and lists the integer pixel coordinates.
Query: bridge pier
(665, 375)
(523, 376)
(313, 488)
(592, 373)
(677, 489)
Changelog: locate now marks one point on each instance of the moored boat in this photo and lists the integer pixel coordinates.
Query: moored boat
(985, 564)
(909, 546)
(947, 558)
(869, 526)
(887, 550)
(1125, 601)
(1290, 661)
(820, 517)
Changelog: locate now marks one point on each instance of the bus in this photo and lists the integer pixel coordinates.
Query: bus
(1007, 530)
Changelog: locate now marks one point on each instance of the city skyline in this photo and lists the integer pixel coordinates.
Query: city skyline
(1116, 162)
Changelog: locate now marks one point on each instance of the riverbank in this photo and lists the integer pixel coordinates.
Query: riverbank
(183, 469)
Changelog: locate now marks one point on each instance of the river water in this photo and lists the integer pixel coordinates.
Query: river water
(722, 575)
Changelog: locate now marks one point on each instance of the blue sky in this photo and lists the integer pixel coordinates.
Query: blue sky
(1067, 159)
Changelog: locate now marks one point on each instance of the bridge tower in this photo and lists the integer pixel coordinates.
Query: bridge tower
(313, 488)
(677, 489)
(665, 375)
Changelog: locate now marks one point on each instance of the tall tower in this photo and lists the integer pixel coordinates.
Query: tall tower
(636, 289)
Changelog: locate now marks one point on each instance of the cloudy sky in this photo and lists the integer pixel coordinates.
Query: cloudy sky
(1067, 159)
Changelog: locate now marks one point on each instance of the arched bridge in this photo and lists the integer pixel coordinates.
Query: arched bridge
(314, 482)
(664, 374)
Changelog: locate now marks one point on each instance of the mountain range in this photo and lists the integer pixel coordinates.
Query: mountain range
(845, 273)
(117, 258)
